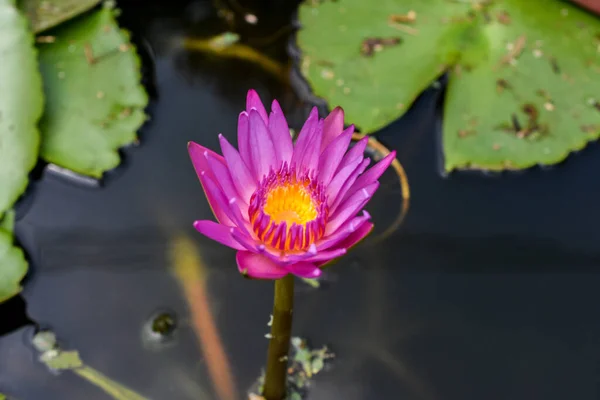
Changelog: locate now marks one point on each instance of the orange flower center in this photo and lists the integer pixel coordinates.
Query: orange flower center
(288, 212)
(290, 203)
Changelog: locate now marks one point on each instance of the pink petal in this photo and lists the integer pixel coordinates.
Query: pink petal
(240, 220)
(332, 155)
(306, 134)
(261, 146)
(334, 125)
(341, 191)
(357, 151)
(357, 235)
(243, 181)
(305, 270)
(253, 102)
(226, 205)
(217, 232)
(345, 230)
(280, 133)
(327, 255)
(354, 238)
(203, 171)
(258, 266)
(340, 178)
(248, 242)
(243, 132)
(372, 174)
(223, 177)
(350, 207)
(310, 158)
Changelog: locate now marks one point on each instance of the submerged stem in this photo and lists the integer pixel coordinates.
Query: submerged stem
(279, 346)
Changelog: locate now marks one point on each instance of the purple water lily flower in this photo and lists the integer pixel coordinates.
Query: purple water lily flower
(285, 207)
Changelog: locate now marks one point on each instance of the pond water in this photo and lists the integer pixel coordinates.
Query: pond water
(488, 290)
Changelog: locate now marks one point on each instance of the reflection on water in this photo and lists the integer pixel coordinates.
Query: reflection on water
(487, 290)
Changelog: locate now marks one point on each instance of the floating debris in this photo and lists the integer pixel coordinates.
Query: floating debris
(159, 330)
(304, 363)
(251, 19)
(370, 46)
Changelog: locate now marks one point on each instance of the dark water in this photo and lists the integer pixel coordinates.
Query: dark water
(489, 290)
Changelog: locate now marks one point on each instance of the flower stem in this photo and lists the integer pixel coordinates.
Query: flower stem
(279, 346)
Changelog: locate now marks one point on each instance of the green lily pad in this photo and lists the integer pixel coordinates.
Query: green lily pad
(7, 221)
(95, 101)
(13, 267)
(524, 76)
(21, 103)
(46, 14)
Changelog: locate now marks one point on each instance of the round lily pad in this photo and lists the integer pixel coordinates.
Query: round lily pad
(524, 76)
(95, 101)
(21, 99)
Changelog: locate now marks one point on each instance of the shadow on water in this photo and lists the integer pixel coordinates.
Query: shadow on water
(488, 290)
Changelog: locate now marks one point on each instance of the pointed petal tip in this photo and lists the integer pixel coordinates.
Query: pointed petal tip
(275, 106)
(337, 112)
(254, 102)
(217, 232)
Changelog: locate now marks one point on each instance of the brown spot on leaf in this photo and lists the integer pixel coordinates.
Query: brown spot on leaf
(89, 54)
(530, 127)
(554, 65)
(591, 129)
(515, 123)
(503, 17)
(514, 50)
(531, 111)
(501, 85)
(371, 45)
(45, 39)
(410, 17)
(543, 93)
(463, 133)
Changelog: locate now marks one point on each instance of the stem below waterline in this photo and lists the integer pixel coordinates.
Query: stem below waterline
(279, 345)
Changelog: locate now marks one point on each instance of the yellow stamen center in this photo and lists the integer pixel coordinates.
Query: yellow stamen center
(290, 203)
